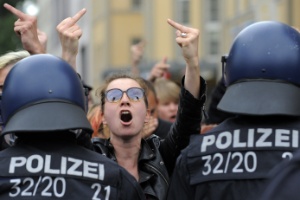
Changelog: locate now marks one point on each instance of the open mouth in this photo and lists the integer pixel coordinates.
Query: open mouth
(126, 116)
(173, 117)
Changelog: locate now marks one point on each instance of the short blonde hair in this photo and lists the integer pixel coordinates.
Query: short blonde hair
(166, 90)
(12, 57)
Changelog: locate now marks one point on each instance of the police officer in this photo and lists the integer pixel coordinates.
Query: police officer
(284, 181)
(43, 104)
(232, 161)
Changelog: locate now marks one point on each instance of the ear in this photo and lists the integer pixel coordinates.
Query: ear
(148, 115)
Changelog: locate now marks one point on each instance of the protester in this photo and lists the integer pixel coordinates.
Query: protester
(151, 161)
(232, 161)
(168, 97)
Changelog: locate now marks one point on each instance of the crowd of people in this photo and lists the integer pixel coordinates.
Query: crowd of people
(146, 138)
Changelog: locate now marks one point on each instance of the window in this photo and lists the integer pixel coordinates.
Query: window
(136, 4)
(214, 10)
(214, 43)
(184, 11)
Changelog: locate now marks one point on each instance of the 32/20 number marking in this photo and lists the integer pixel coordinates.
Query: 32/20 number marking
(247, 162)
(58, 184)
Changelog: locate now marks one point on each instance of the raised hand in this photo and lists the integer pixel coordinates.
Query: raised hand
(137, 51)
(159, 70)
(26, 28)
(42, 38)
(187, 38)
(69, 35)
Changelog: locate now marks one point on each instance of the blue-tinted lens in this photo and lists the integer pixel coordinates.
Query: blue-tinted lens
(114, 95)
(135, 94)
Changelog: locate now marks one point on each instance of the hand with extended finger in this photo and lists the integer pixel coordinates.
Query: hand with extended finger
(26, 28)
(159, 69)
(137, 51)
(187, 39)
(69, 35)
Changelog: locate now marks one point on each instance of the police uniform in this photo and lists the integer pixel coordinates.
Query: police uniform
(284, 181)
(233, 160)
(60, 169)
(43, 104)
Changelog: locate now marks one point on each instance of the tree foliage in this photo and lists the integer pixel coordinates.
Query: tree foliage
(9, 41)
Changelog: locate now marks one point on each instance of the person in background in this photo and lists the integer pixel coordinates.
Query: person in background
(137, 51)
(155, 125)
(168, 97)
(95, 118)
(233, 160)
(124, 108)
(6, 63)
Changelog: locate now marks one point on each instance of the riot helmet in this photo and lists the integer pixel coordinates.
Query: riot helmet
(43, 93)
(262, 71)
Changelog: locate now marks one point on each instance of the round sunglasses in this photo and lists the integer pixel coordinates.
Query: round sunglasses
(133, 93)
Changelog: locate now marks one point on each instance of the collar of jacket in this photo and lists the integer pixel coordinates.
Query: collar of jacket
(146, 152)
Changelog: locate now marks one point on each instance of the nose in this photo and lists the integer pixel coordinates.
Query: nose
(125, 100)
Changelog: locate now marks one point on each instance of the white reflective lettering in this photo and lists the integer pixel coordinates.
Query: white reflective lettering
(250, 138)
(295, 140)
(282, 138)
(48, 166)
(76, 164)
(101, 172)
(227, 140)
(16, 162)
(90, 169)
(208, 140)
(236, 139)
(35, 160)
(68, 165)
(63, 165)
(261, 142)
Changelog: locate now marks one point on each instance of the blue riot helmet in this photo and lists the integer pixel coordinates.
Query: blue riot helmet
(43, 93)
(262, 71)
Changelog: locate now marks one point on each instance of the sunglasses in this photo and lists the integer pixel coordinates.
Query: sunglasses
(134, 94)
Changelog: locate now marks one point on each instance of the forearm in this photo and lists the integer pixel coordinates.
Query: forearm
(70, 58)
(187, 122)
(192, 81)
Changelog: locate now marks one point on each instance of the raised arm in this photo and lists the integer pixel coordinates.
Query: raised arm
(187, 38)
(69, 35)
(137, 51)
(159, 69)
(26, 28)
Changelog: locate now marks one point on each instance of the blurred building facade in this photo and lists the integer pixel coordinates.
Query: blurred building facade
(110, 27)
